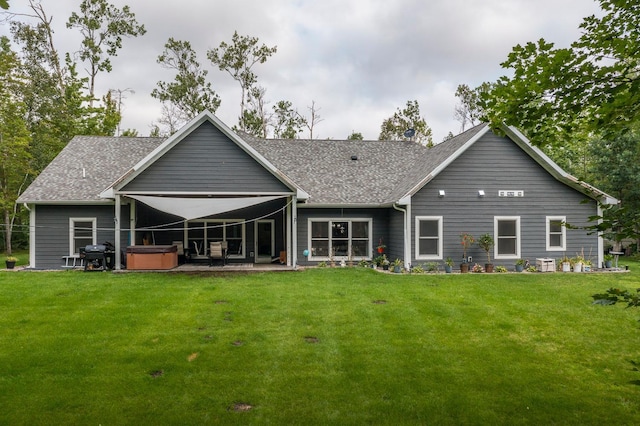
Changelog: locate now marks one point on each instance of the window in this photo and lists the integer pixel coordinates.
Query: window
(556, 233)
(340, 239)
(507, 237)
(428, 237)
(82, 232)
(201, 233)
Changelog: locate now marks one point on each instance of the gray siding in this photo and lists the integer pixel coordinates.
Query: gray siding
(206, 161)
(492, 164)
(380, 223)
(52, 230)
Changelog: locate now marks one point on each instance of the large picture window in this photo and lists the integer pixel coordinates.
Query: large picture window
(202, 232)
(339, 239)
(82, 232)
(556, 233)
(507, 237)
(428, 237)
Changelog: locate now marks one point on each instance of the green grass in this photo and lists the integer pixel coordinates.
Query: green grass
(101, 348)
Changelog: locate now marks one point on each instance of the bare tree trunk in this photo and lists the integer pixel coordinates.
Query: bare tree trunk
(7, 231)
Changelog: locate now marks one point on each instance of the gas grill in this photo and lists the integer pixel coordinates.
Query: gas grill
(98, 257)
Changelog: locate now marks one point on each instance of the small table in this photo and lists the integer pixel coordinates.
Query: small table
(616, 254)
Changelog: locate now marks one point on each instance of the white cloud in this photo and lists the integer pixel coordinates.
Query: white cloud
(358, 60)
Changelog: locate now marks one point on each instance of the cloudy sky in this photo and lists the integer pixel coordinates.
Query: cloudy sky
(359, 60)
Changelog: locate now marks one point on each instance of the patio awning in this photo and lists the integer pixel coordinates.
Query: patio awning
(194, 208)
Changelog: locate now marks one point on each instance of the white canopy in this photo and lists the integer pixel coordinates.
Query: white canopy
(194, 208)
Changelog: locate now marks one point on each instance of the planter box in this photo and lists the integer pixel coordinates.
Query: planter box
(152, 257)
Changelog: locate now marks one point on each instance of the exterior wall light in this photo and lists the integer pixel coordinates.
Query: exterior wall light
(481, 193)
(441, 193)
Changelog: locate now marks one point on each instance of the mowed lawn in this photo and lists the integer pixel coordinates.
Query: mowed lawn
(321, 346)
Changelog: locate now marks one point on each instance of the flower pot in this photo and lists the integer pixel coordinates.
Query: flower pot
(608, 263)
(385, 267)
(519, 268)
(397, 269)
(10, 264)
(577, 267)
(380, 250)
(464, 268)
(488, 267)
(447, 269)
(566, 267)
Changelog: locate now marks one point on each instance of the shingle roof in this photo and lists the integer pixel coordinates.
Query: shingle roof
(103, 160)
(383, 172)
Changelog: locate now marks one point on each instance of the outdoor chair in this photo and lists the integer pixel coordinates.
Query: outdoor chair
(217, 251)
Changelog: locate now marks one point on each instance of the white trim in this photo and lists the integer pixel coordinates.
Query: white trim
(117, 237)
(369, 253)
(497, 219)
(563, 220)
(32, 237)
(94, 231)
(419, 219)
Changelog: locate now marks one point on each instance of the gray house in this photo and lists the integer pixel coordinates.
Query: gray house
(306, 201)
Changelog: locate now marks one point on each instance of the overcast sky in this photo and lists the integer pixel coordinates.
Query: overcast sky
(359, 60)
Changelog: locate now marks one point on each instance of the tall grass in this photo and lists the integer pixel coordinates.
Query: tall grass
(324, 346)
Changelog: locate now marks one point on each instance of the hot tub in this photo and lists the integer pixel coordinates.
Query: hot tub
(152, 257)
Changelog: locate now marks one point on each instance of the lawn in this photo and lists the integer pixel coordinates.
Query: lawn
(322, 346)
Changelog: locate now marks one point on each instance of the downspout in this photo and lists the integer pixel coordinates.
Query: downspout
(407, 233)
(600, 238)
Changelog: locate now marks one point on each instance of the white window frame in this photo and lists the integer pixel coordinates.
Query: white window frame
(419, 256)
(310, 222)
(221, 222)
(72, 236)
(563, 220)
(496, 220)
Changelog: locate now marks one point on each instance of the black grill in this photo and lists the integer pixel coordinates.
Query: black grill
(98, 257)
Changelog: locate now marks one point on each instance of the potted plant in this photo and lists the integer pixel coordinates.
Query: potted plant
(566, 264)
(608, 260)
(477, 268)
(385, 262)
(466, 240)
(397, 266)
(520, 265)
(485, 241)
(587, 266)
(10, 262)
(577, 261)
(380, 248)
(448, 265)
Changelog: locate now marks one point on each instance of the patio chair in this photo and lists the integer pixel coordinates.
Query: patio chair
(216, 252)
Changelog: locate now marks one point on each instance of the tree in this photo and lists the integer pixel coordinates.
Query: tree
(469, 109)
(4, 4)
(287, 122)
(14, 138)
(593, 86)
(256, 119)
(394, 127)
(616, 170)
(102, 26)
(189, 93)
(314, 118)
(238, 59)
(355, 136)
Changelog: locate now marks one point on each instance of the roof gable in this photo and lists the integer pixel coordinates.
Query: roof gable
(205, 156)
